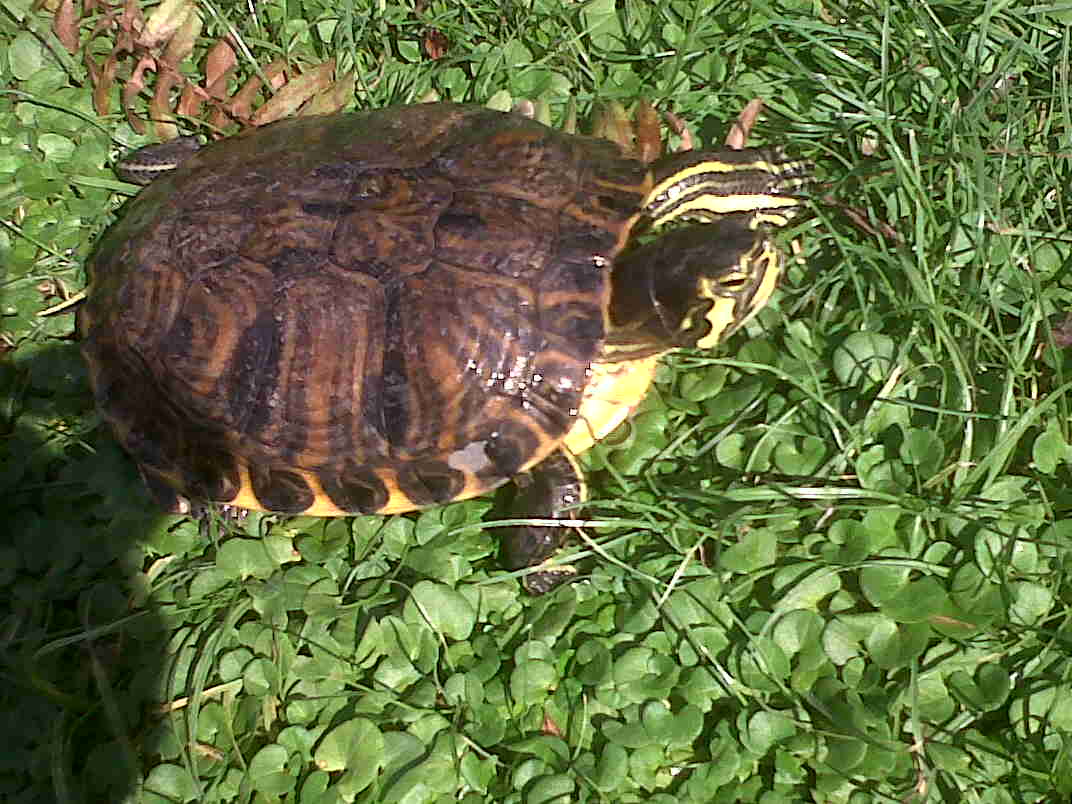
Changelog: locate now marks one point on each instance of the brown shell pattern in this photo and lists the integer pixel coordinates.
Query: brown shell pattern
(358, 313)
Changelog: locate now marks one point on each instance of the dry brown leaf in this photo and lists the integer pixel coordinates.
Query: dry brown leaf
(164, 22)
(220, 63)
(191, 101)
(649, 138)
(436, 44)
(160, 106)
(181, 45)
(240, 107)
(277, 73)
(881, 229)
(130, 24)
(610, 122)
(742, 128)
(679, 127)
(134, 85)
(550, 727)
(290, 97)
(336, 98)
(102, 77)
(65, 25)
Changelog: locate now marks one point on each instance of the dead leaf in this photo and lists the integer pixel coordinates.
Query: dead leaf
(220, 63)
(297, 91)
(335, 98)
(65, 25)
(436, 44)
(134, 85)
(182, 43)
(742, 128)
(550, 727)
(164, 22)
(649, 139)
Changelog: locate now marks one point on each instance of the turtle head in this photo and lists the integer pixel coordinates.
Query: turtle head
(702, 260)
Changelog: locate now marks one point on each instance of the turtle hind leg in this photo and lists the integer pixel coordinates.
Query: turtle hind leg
(164, 493)
(553, 489)
(171, 501)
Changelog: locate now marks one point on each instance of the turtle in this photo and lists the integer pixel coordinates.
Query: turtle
(381, 311)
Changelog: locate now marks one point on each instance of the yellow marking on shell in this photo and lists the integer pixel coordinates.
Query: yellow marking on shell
(613, 391)
(397, 502)
(322, 504)
(245, 498)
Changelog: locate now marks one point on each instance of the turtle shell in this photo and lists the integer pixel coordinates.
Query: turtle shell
(372, 312)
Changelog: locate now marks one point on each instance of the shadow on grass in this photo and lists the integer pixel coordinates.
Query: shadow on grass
(82, 649)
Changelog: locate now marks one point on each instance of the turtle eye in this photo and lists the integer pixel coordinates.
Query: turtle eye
(730, 284)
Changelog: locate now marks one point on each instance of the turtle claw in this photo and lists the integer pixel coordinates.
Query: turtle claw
(548, 577)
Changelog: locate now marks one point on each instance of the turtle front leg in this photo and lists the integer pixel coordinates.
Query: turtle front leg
(551, 490)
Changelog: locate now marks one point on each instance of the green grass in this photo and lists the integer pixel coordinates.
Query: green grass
(834, 561)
